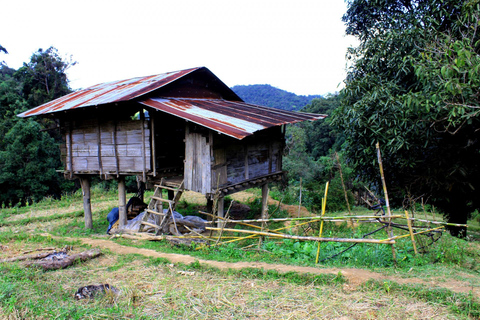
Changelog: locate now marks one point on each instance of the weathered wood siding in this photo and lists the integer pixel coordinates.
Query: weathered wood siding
(197, 172)
(107, 147)
(236, 161)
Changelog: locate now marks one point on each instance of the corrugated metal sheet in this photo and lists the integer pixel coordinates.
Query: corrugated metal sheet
(109, 92)
(233, 118)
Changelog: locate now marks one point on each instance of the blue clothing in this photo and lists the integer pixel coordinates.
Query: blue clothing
(112, 217)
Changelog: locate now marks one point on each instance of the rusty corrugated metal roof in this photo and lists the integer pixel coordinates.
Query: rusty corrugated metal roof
(109, 92)
(233, 118)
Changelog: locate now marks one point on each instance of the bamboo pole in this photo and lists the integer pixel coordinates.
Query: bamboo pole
(324, 205)
(409, 223)
(407, 235)
(313, 219)
(274, 231)
(387, 204)
(305, 238)
(440, 223)
(241, 222)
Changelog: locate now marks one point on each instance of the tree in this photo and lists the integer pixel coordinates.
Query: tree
(44, 78)
(410, 90)
(321, 136)
(29, 156)
(27, 164)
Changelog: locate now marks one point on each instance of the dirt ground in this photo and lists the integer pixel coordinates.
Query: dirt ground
(354, 276)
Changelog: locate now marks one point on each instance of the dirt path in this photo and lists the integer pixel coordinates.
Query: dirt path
(354, 276)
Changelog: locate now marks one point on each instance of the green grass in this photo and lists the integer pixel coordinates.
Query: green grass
(462, 304)
(22, 289)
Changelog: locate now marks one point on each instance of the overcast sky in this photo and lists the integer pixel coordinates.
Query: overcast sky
(298, 46)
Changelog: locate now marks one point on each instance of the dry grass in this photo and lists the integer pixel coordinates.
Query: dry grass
(168, 291)
(150, 291)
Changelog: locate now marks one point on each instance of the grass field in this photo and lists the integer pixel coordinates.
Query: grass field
(279, 280)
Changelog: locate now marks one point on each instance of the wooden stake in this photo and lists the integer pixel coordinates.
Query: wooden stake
(409, 223)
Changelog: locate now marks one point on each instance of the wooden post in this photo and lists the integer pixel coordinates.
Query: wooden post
(122, 201)
(87, 206)
(144, 171)
(264, 214)
(70, 150)
(265, 201)
(220, 209)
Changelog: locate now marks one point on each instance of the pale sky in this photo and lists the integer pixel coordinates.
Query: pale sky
(298, 46)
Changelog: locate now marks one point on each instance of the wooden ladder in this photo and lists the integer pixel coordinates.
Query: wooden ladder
(157, 203)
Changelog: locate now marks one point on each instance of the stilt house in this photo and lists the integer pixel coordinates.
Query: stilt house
(186, 124)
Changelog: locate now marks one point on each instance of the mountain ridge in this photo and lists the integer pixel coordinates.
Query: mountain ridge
(269, 96)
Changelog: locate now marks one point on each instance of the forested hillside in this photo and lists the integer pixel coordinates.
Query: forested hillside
(266, 95)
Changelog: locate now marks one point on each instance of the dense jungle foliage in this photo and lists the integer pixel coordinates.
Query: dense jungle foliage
(29, 153)
(413, 87)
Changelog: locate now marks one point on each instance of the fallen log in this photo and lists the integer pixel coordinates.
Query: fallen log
(67, 261)
(28, 257)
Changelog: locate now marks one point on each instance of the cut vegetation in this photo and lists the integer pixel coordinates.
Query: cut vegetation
(279, 280)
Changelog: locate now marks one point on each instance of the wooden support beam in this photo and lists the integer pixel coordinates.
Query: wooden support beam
(153, 147)
(99, 147)
(144, 173)
(122, 201)
(70, 150)
(264, 210)
(117, 162)
(87, 206)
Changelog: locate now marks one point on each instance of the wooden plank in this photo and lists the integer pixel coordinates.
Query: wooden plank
(115, 147)
(188, 164)
(270, 157)
(70, 149)
(152, 136)
(156, 212)
(142, 118)
(150, 224)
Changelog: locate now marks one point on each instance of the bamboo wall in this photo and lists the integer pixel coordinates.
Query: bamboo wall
(107, 147)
